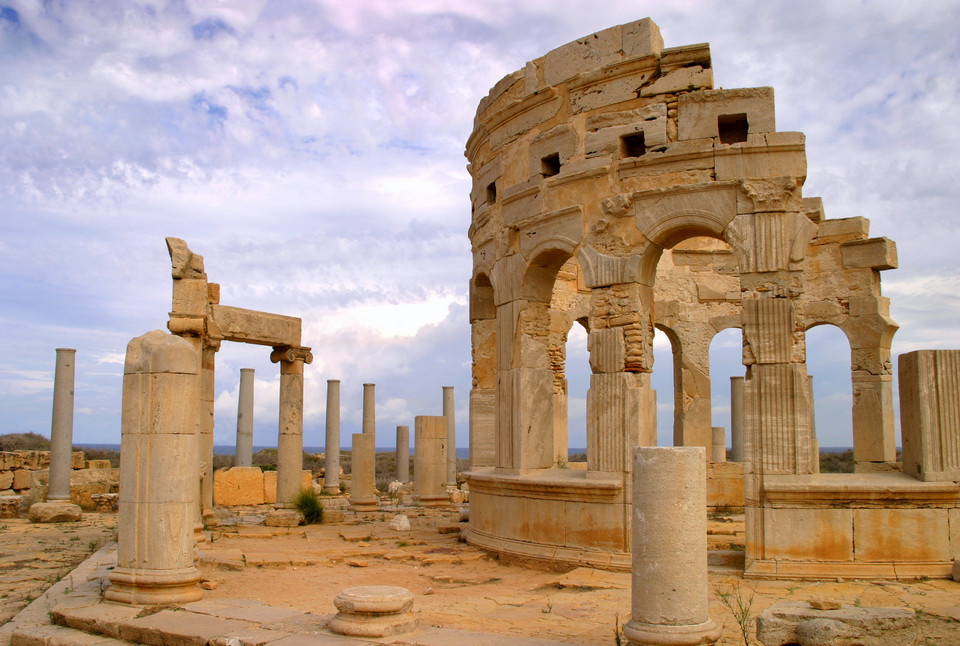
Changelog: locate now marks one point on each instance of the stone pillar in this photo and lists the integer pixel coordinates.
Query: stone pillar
(244, 457)
(403, 453)
(814, 443)
(719, 447)
(430, 457)
(369, 410)
(736, 419)
(290, 438)
(691, 378)
(331, 458)
(363, 460)
(669, 591)
(158, 473)
(208, 358)
(483, 428)
(448, 414)
(61, 427)
(930, 415)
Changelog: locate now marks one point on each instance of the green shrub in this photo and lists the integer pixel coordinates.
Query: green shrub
(308, 503)
(24, 442)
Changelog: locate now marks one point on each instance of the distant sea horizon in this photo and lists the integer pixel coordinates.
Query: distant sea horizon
(462, 452)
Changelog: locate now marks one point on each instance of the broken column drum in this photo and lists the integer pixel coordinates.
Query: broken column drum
(331, 458)
(158, 473)
(429, 461)
(244, 457)
(614, 188)
(363, 490)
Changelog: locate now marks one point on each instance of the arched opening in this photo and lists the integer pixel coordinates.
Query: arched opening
(726, 361)
(828, 364)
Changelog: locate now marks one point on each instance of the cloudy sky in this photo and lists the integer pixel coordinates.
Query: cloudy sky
(312, 152)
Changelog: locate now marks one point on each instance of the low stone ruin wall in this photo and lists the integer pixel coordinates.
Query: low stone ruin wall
(249, 486)
(24, 475)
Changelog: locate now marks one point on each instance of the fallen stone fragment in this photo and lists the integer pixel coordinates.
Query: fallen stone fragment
(785, 621)
(54, 512)
(825, 604)
(400, 523)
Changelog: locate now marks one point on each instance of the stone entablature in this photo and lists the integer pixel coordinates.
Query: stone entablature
(614, 187)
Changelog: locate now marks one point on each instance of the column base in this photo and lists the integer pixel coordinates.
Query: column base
(154, 587)
(365, 504)
(641, 633)
(440, 500)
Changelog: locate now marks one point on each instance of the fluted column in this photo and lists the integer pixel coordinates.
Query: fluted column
(244, 452)
(290, 439)
(331, 461)
(61, 427)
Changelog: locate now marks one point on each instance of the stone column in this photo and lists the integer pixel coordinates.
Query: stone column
(719, 447)
(736, 419)
(403, 453)
(244, 457)
(61, 427)
(208, 360)
(369, 410)
(331, 458)
(669, 591)
(363, 490)
(290, 439)
(429, 458)
(814, 443)
(158, 473)
(448, 413)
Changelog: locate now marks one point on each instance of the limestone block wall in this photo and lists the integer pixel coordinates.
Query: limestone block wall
(25, 473)
(249, 486)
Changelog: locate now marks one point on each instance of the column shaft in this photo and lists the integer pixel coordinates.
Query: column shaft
(736, 419)
(403, 453)
(290, 439)
(244, 452)
(369, 410)
(331, 461)
(448, 413)
(363, 460)
(430, 453)
(61, 427)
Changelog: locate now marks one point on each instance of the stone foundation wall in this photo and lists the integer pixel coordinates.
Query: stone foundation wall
(249, 486)
(25, 474)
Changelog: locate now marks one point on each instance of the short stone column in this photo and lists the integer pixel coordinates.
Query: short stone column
(373, 611)
(244, 455)
(61, 427)
(159, 471)
(363, 461)
(736, 419)
(669, 591)
(331, 448)
(369, 410)
(429, 460)
(403, 453)
(449, 415)
(290, 438)
(719, 452)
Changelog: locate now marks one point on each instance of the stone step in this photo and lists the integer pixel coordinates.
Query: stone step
(53, 635)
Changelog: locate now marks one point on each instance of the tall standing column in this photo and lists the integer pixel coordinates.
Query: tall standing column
(429, 458)
(736, 419)
(369, 410)
(448, 414)
(244, 453)
(61, 427)
(331, 458)
(363, 460)
(403, 453)
(290, 439)
(718, 449)
(208, 358)
(158, 473)
(669, 591)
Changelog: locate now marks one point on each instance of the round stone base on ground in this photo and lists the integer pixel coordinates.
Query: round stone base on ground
(644, 634)
(54, 512)
(373, 611)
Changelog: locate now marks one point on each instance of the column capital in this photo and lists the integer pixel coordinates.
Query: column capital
(291, 354)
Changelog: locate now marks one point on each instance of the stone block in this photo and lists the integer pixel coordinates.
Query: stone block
(901, 535)
(283, 518)
(808, 534)
(54, 512)
(797, 622)
(77, 460)
(589, 53)
(725, 484)
(84, 483)
(249, 326)
(699, 112)
(10, 506)
(33, 460)
(105, 502)
(763, 156)
(98, 464)
(239, 486)
(331, 516)
(683, 79)
(21, 479)
(875, 253)
(929, 414)
(6, 480)
(270, 484)
(9, 461)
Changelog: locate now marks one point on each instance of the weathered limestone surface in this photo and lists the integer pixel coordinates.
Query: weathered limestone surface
(797, 622)
(331, 458)
(430, 453)
(238, 486)
(403, 453)
(158, 473)
(449, 414)
(61, 428)
(363, 493)
(244, 453)
(669, 591)
(373, 611)
(930, 414)
(54, 512)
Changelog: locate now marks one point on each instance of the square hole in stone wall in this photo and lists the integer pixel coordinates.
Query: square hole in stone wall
(632, 145)
(550, 165)
(491, 192)
(732, 128)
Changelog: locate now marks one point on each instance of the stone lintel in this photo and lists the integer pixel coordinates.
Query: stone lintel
(261, 328)
(874, 253)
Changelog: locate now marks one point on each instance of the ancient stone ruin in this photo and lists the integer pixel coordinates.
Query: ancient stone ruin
(615, 188)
